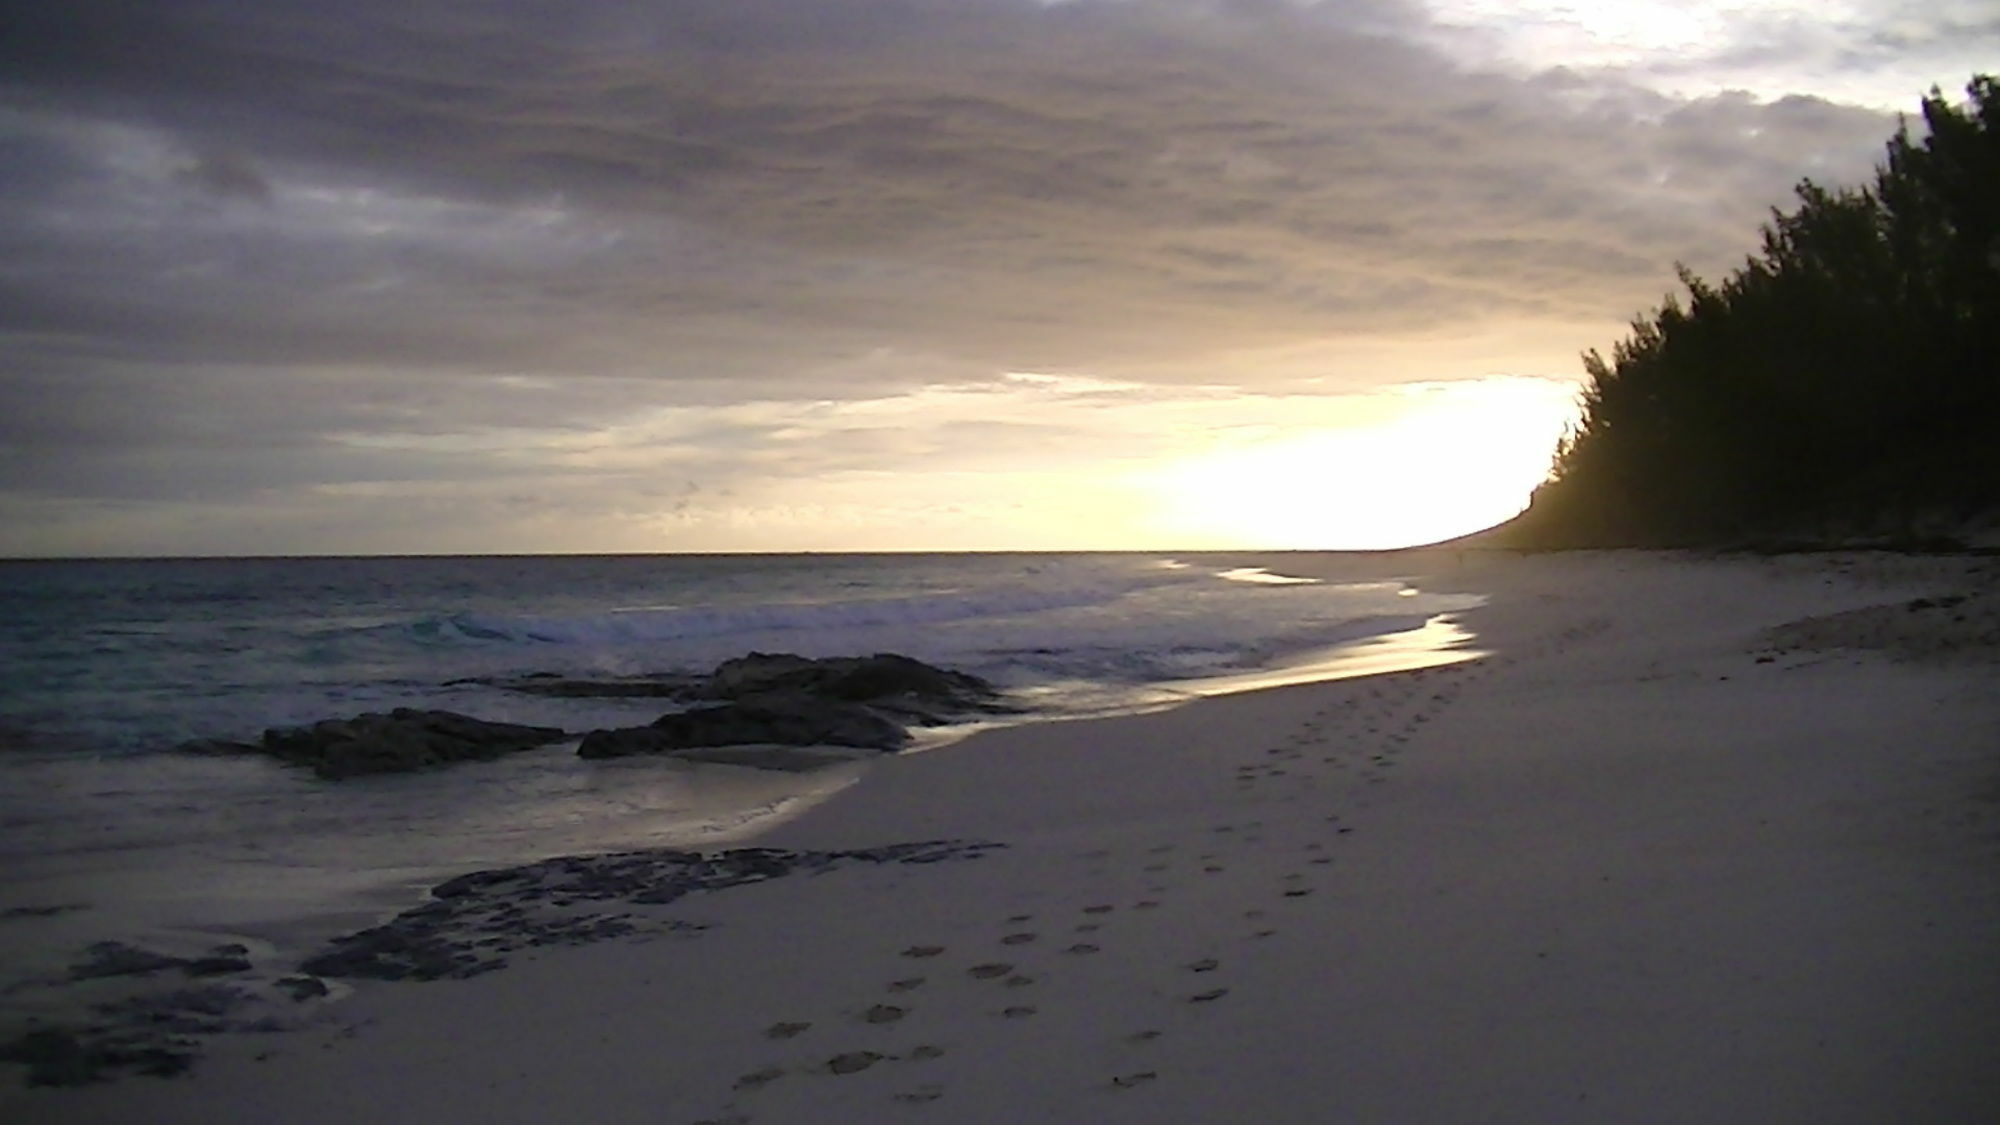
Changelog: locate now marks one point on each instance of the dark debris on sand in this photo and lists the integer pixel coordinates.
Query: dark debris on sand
(469, 927)
(475, 919)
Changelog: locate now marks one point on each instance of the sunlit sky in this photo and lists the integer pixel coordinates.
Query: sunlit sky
(283, 276)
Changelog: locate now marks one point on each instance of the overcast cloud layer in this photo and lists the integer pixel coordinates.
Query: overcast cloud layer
(285, 275)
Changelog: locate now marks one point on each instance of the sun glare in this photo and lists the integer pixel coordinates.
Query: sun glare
(1457, 458)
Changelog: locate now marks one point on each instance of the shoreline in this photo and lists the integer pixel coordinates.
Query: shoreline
(1487, 856)
(280, 935)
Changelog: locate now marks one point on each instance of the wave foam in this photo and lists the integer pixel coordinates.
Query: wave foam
(672, 623)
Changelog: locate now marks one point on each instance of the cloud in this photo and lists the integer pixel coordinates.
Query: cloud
(291, 238)
(1880, 53)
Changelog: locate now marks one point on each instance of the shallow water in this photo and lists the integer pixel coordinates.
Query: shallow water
(105, 831)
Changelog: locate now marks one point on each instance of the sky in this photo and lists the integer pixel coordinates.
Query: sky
(550, 276)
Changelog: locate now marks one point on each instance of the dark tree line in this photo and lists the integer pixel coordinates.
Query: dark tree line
(1848, 376)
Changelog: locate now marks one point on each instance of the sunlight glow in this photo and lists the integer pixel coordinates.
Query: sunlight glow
(1458, 458)
(1560, 32)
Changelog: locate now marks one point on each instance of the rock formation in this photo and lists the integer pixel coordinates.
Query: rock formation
(767, 699)
(401, 741)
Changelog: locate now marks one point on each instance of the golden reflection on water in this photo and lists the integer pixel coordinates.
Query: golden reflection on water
(1437, 642)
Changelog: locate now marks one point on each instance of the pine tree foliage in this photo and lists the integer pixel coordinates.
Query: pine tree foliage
(1850, 371)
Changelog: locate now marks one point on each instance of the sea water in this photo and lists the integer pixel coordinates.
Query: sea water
(106, 665)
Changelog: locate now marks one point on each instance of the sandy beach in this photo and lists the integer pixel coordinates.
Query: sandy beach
(1695, 840)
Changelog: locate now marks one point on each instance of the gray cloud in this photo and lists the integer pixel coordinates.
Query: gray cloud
(231, 227)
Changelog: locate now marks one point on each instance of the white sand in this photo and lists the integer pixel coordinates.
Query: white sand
(1620, 871)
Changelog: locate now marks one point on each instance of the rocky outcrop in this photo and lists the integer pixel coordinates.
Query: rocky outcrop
(787, 722)
(116, 959)
(782, 700)
(888, 682)
(399, 742)
(885, 681)
(757, 710)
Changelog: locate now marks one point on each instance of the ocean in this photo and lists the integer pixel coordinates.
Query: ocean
(108, 832)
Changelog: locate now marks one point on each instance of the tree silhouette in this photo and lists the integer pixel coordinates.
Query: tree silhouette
(1848, 374)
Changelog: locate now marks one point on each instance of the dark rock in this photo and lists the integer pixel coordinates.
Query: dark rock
(301, 987)
(782, 722)
(475, 919)
(215, 965)
(779, 699)
(623, 742)
(54, 1057)
(116, 959)
(882, 678)
(786, 722)
(399, 742)
(758, 673)
(391, 952)
(62, 1057)
(199, 1010)
(908, 688)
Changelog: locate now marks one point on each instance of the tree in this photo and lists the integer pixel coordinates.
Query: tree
(1850, 371)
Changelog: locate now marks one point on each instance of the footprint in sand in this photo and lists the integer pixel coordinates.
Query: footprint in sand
(1205, 965)
(1101, 908)
(927, 1093)
(1146, 1036)
(1019, 939)
(1127, 1081)
(1206, 997)
(1145, 904)
(989, 970)
(853, 1062)
(785, 1030)
(905, 985)
(757, 1079)
(884, 1013)
(923, 951)
(926, 1052)
(1019, 1011)
(1082, 947)
(1018, 980)
(1020, 918)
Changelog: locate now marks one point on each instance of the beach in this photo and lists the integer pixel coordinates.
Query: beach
(1691, 838)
